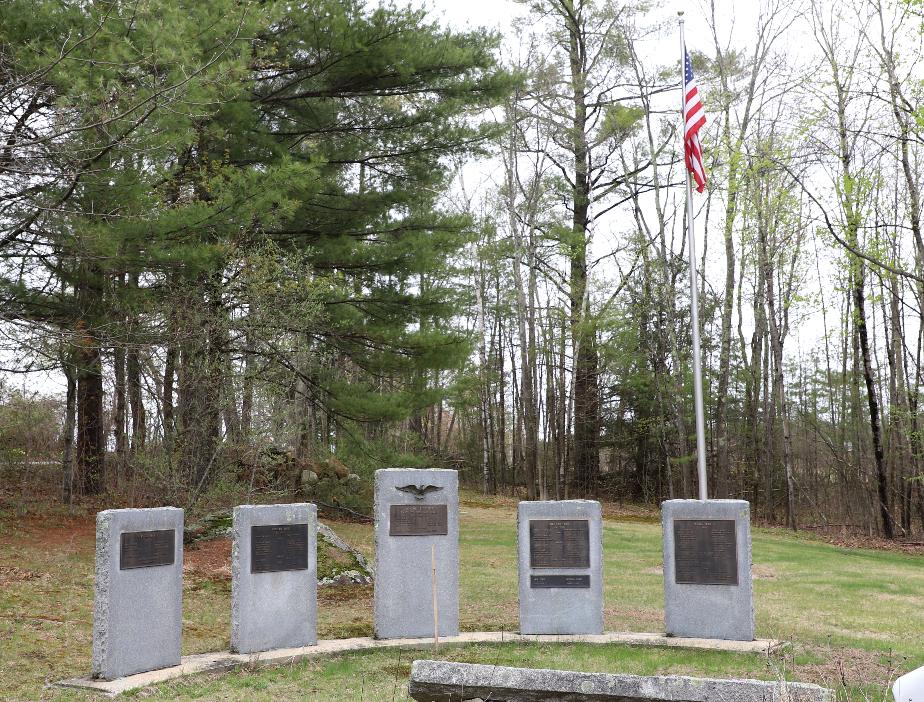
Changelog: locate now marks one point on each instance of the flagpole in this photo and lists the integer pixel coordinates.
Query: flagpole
(694, 294)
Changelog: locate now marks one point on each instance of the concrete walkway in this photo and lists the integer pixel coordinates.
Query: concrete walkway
(224, 660)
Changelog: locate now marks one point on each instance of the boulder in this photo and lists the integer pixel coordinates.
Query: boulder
(338, 562)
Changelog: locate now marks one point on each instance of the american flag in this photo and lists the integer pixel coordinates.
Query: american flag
(694, 118)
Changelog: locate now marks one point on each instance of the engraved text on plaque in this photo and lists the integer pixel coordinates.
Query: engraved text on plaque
(559, 581)
(705, 552)
(559, 543)
(418, 520)
(278, 547)
(146, 549)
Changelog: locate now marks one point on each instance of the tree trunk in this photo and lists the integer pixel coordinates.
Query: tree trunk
(527, 350)
(118, 419)
(500, 444)
(483, 389)
(779, 388)
(199, 390)
(247, 390)
(872, 398)
(91, 442)
(904, 119)
(136, 401)
(858, 281)
(586, 456)
(167, 400)
(70, 415)
(732, 144)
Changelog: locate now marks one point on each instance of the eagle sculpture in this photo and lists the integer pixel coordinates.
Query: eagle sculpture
(419, 491)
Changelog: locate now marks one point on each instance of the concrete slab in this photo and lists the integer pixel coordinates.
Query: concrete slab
(223, 660)
(446, 681)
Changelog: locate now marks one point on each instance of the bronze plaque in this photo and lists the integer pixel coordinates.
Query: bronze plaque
(418, 520)
(278, 547)
(559, 543)
(705, 552)
(559, 581)
(146, 549)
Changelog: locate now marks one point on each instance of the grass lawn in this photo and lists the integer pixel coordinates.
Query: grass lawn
(855, 617)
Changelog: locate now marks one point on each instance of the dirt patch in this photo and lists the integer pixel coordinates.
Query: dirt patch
(208, 559)
(624, 512)
(849, 667)
(339, 557)
(12, 574)
(54, 532)
(640, 615)
(473, 499)
(913, 548)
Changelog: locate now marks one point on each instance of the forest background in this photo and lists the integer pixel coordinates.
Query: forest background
(266, 248)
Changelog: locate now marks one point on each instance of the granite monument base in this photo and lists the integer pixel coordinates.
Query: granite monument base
(273, 577)
(560, 546)
(707, 569)
(445, 681)
(416, 521)
(137, 608)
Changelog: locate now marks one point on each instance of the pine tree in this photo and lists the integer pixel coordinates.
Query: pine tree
(377, 101)
(180, 174)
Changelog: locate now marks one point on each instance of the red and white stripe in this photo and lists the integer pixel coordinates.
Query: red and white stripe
(694, 118)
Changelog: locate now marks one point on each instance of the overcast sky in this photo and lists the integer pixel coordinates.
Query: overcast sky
(499, 14)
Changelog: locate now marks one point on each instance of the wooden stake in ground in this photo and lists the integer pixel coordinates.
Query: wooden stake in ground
(436, 610)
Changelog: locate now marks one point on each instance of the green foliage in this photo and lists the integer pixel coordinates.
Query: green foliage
(29, 426)
(378, 123)
(621, 121)
(334, 562)
(366, 455)
(127, 88)
(254, 170)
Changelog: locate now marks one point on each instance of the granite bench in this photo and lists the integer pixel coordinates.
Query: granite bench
(443, 681)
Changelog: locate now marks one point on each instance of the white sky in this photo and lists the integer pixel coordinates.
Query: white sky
(499, 14)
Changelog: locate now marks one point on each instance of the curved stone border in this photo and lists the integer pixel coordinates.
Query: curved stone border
(224, 660)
